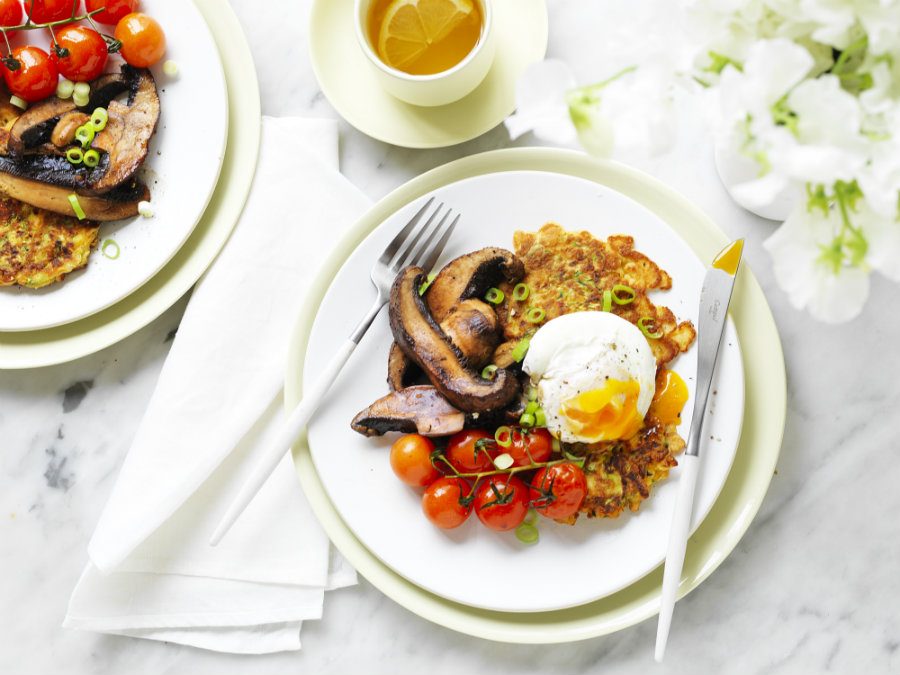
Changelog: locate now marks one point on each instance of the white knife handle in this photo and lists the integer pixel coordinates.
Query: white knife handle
(678, 536)
(286, 437)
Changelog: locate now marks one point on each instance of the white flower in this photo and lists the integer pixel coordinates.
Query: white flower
(832, 295)
(541, 105)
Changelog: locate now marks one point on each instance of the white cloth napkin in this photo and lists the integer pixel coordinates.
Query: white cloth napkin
(152, 573)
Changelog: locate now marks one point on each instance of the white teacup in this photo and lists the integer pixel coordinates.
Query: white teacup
(440, 88)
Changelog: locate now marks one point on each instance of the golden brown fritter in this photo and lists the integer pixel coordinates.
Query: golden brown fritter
(38, 247)
(568, 272)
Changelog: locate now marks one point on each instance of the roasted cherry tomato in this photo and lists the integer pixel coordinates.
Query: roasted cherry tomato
(557, 491)
(411, 460)
(470, 451)
(36, 77)
(529, 444)
(87, 53)
(142, 38)
(501, 502)
(445, 502)
(45, 11)
(11, 13)
(113, 10)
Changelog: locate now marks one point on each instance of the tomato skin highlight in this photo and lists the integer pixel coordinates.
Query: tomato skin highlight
(501, 502)
(558, 491)
(143, 40)
(11, 14)
(113, 10)
(45, 11)
(538, 443)
(411, 460)
(462, 454)
(443, 502)
(37, 76)
(87, 56)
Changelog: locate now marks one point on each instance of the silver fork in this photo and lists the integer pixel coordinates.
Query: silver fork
(415, 244)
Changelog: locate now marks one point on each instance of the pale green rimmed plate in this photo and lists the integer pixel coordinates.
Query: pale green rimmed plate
(31, 349)
(747, 483)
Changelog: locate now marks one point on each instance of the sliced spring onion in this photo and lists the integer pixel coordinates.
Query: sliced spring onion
(494, 296)
(82, 89)
(170, 68)
(110, 249)
(80, 101)
(85, 135)
(530, 517)
(526, 420)
(607, 301)
(503, 436)
(540, 419)
(91, 158)
(489, 372)
(521, 292)
(646, 330)
(531, 407)
(503, 461)
(425, 284)
(19, 102)
(145, 209)
(535, 315)
(74, 155)
(76, 206)
(520, 350)
(623, 295)
(65, 88)
(527, 534)
(99, 118)
(555, 445)
(531, 392)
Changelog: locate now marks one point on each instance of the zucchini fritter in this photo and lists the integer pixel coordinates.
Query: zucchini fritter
(38, 247)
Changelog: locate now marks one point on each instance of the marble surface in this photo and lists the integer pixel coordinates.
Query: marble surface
(812, 587)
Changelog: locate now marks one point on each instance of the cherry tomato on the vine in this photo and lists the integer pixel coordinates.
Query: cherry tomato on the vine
(143, 40)
(445, 502)
(87, 53)
(470, 450)
(527, 445)
(113, 10)
(501, 502)
(557, 491)
(36, 77)
(45, 11)
(11, 13)
(411, 460)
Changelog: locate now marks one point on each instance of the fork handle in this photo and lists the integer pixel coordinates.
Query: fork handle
(296, 422)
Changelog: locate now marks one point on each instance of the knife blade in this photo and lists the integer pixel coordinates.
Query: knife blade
(715, 297)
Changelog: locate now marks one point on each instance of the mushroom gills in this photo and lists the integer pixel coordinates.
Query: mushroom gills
(420, 409)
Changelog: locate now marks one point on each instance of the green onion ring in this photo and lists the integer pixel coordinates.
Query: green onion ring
(110, 244)
(425, 284)
(535, 315)
(521, 348)
(531, 407)
(527, 534)
(494, 296)
(642, 324)
(630, 295)
(503, 436)
(530, 517)
(526, 420)
(489, 372)
(85, 135)
(99, 118)
(521, 292)
(76, 206)
(91, 158)
(540, 419)
(74, 155)
(531, 392)
(607, 301)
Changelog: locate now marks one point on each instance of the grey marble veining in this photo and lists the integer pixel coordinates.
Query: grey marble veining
(812, 588)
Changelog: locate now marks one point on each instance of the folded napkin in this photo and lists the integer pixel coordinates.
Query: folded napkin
(152, 573)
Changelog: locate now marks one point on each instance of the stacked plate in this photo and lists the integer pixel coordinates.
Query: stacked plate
(200, 169)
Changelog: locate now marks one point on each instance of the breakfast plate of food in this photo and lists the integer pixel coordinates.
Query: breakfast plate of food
(107, 162)
(531, 394)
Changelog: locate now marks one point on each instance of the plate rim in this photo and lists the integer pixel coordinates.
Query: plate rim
(61, 344)
(741, 496)
(358, 122)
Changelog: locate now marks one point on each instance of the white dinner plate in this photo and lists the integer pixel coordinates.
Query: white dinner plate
(181, 171)
(472, 565)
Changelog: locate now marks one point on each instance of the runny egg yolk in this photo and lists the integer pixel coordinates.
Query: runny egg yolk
(605, 414)
(671, 395)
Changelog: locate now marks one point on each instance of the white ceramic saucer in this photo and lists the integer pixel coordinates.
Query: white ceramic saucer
(349, 84)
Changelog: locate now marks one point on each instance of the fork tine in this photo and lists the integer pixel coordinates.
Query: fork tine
(432, 255)
(410, 243)
(403, 234)
(414, 256)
